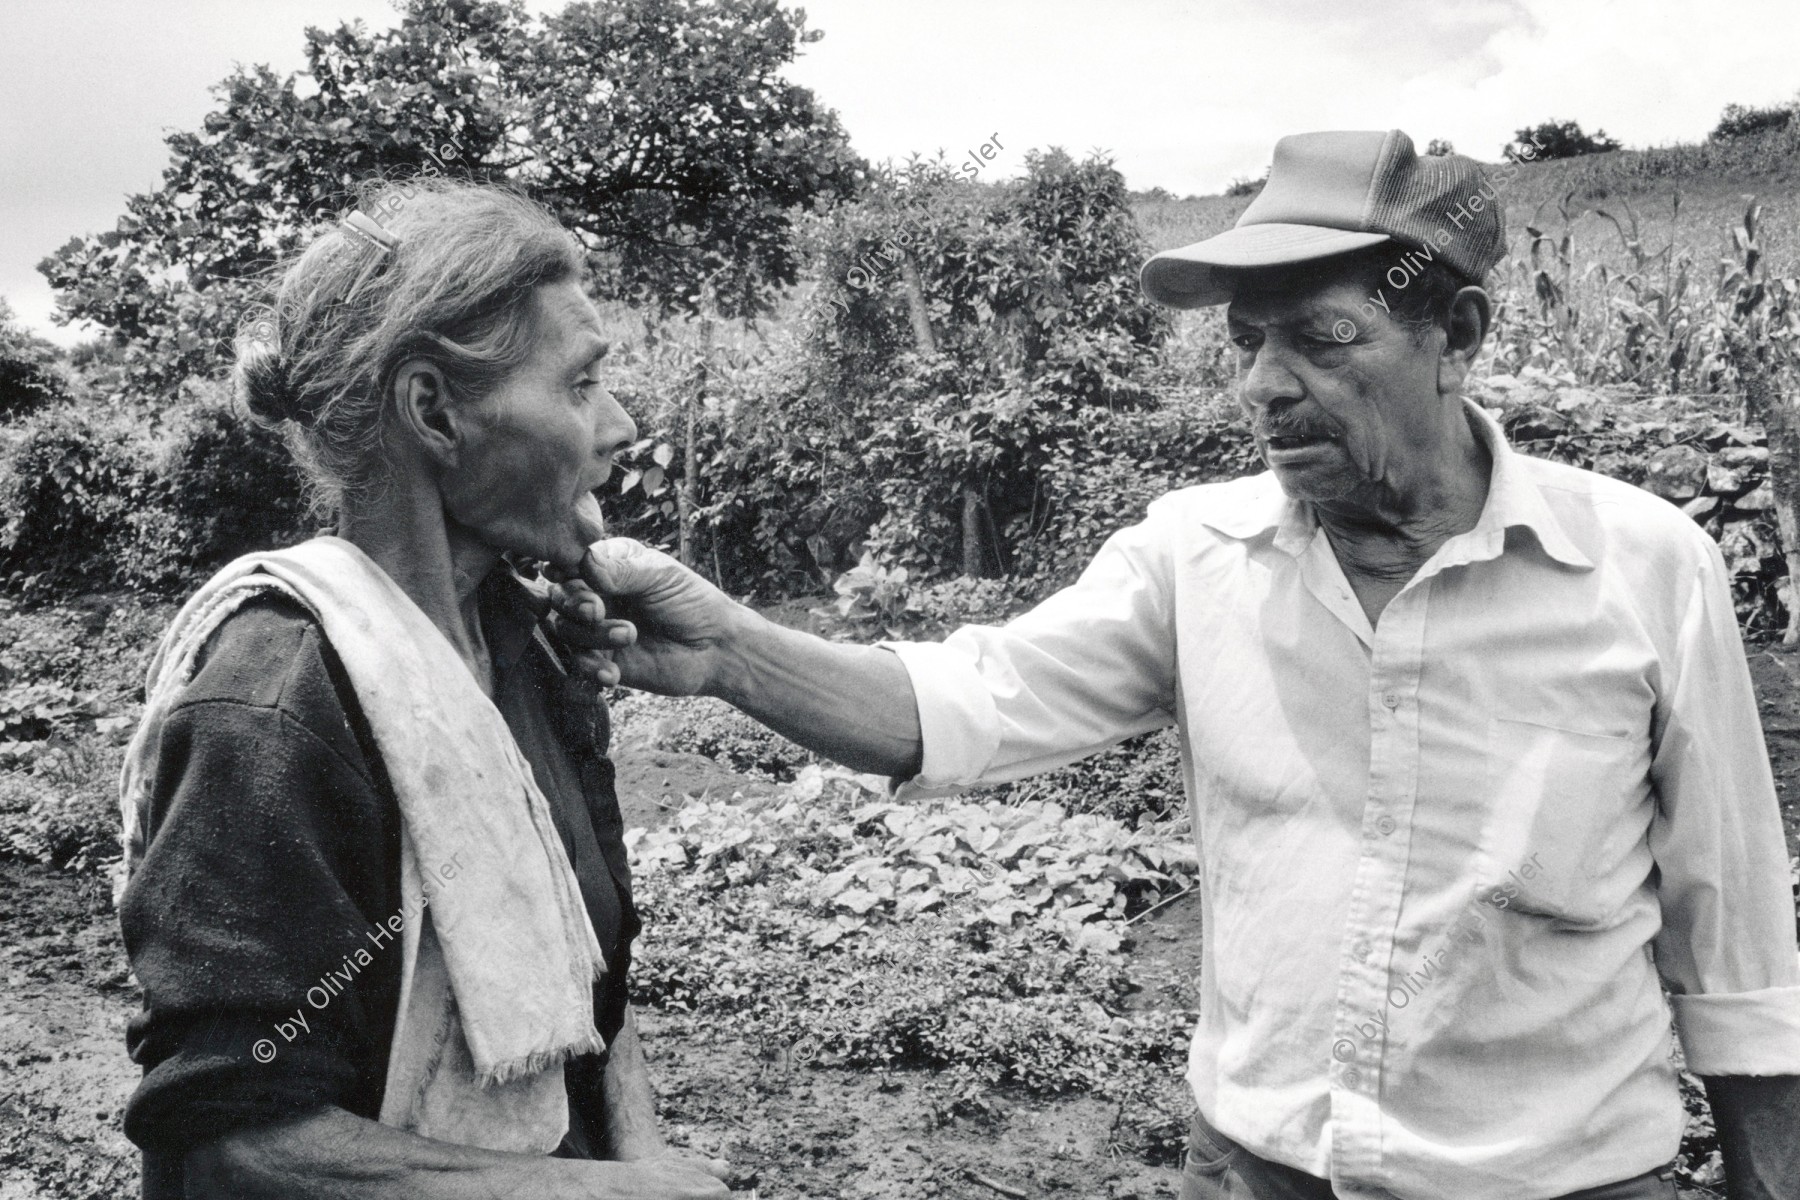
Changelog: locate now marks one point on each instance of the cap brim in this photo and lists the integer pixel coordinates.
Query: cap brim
(1201, 274)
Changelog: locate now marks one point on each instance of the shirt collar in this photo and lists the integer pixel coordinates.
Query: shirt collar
(508, 615)
(1513, 499)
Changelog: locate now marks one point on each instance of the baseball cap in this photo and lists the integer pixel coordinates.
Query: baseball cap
(1330, 193)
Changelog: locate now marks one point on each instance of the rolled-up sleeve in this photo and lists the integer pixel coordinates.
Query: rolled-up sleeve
(1727, 946)
(1090, 666)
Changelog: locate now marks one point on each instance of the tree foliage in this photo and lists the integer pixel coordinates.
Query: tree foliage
(29, 378)
(659, 130)
(1743, 121)
(1557, 139)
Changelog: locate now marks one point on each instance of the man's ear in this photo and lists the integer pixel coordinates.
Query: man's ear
(1471, 315)
(422, 410)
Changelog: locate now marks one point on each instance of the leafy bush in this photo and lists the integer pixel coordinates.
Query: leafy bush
(224, 486)
(1742, 121)
(952, 333)
(1104, 473)
(69, 483)
(29, 378)
(936, 609)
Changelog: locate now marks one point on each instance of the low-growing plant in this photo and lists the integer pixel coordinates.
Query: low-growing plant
(701, 725)
(979, 940)
(61, 804)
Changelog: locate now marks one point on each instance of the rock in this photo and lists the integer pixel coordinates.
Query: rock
(1725, 481)
(1761, 498)
(1676, 473)
(1535, 424)
(1738, 457)
(1700, 507)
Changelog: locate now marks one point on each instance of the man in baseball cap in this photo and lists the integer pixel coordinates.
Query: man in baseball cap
(1475, 767)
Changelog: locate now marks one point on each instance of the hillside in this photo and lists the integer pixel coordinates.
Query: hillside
(1712, 179)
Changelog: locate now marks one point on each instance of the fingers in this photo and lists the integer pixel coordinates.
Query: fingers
(598, 666)
(577, 601)
(621, 566)
(582, 634)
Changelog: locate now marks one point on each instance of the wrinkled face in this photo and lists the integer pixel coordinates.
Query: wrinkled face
(538, 444)
(1341, 402)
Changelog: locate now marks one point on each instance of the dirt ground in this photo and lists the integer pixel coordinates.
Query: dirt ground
(796, 1130)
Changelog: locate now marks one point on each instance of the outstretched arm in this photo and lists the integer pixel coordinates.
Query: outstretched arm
(853, 704)
(1087, 667)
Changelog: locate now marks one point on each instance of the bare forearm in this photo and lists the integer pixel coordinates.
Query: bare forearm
(1758, 1119)
(853, 704)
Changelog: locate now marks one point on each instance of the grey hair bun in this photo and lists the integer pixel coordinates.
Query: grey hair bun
(264, 383)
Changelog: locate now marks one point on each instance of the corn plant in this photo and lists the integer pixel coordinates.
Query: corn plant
(1761, 327)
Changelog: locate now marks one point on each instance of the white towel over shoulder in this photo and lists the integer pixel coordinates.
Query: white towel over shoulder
(499, 955)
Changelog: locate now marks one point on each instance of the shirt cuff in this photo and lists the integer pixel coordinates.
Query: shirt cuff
(959, 725)
(1741, 1033)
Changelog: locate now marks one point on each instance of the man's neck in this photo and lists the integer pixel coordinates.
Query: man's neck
(439, 567)
(1382, 539)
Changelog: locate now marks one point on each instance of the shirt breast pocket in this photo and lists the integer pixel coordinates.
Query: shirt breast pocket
(1563, 818)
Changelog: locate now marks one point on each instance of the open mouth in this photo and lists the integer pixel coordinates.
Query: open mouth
(1298, 441)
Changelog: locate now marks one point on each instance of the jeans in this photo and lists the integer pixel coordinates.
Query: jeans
(1218, 1168)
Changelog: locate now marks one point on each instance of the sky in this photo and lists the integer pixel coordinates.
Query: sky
(1183, 94)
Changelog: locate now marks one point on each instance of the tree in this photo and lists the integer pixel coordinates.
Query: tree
(1739, 121)
(1557, 139)
(663, 131)
(1244, 185)
(658, 129)
(29, 378)
(1438, 147)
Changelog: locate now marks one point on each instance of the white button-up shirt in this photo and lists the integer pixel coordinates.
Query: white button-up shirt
(1449, 861)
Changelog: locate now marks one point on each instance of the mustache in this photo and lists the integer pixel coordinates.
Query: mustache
(1288, 427)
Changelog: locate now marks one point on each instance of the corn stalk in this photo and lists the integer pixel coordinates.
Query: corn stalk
(1761, 340)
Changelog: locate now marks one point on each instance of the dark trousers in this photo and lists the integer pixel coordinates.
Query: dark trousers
(1219, 1169)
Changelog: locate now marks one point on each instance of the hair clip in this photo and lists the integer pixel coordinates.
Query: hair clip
(362, 225)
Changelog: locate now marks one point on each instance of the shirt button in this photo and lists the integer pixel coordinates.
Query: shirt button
(1385, 826)
(1362, 951)
(1352, 1077)
(1391, 700)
